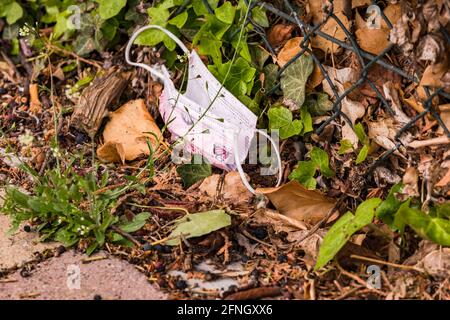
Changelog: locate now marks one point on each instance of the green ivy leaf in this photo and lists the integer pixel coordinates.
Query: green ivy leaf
(12, 11)
(320, 105)
(360, 133)
(159, 15)
(226, 12)
(343, 229)
(304, 173)
(306, 118)
(260, 17)
(137, 223)
(240, 78)
(199, 224)
(200, 8)
(208, 38)
(84, 44)
(270, 76)
(109, 29)
(110, 8)
(320, 158)
(281, 118)
(431, 228)
(192, 172)
(362, 155)
(293, 79)
(443, 210)
(345, 146)
(387, 209)
(179, 20)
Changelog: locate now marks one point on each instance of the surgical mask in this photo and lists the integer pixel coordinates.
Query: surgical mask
(211, 120)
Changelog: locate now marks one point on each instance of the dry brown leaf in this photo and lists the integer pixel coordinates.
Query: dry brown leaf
(432, 76)
(445, 116)
(297, 202)
(232, 189)
(411, 182)
(353, 109)
(360, 23)
(377, 39)
(315, 7)
(126, 134)
(431, 257)
(372, 40)
(445, 181)
(393, 12)
(279, 33)
(331, 28)
(378, 75)
(289, 50)
(413, 103)
(315, 78)
(391, 94)
(383, 132)
(35, 103)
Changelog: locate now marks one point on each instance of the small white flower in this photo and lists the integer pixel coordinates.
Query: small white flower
(78, 229)
(82, 233)
(182, 58)
(24, 31)
(82, 219)
(56, 152)
(27, 138)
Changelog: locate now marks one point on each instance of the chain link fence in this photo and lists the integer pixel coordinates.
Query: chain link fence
(287, 11)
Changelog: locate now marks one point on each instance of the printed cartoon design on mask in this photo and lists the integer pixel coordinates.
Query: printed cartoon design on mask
(194, 116)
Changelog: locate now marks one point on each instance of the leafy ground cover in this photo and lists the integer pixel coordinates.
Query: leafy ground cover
(343, 205)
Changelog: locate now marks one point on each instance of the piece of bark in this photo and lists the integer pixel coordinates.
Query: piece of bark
(255, 293)
(97, 100)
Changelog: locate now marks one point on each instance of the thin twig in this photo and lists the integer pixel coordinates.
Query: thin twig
(391, 264)
(126, 235)
(74, 55)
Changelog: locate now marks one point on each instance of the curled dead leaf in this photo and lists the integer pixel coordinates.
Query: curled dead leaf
(35, 103)
(413, 103)
(297, 202)
(411, 182)
(279, 33)
(432, 258)
(316, 7)
(433, 74)
(383, 132)
(393, 13)
(125, 135)
(445, 116)
(289, 50)
(431, 47)
(353, 109)
(391, 93)
(445, 181)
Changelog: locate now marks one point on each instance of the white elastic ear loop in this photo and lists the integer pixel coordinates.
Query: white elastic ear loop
(153, 71)
(239, 166)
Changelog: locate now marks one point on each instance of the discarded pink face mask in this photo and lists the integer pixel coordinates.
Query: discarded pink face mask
(209, 119)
